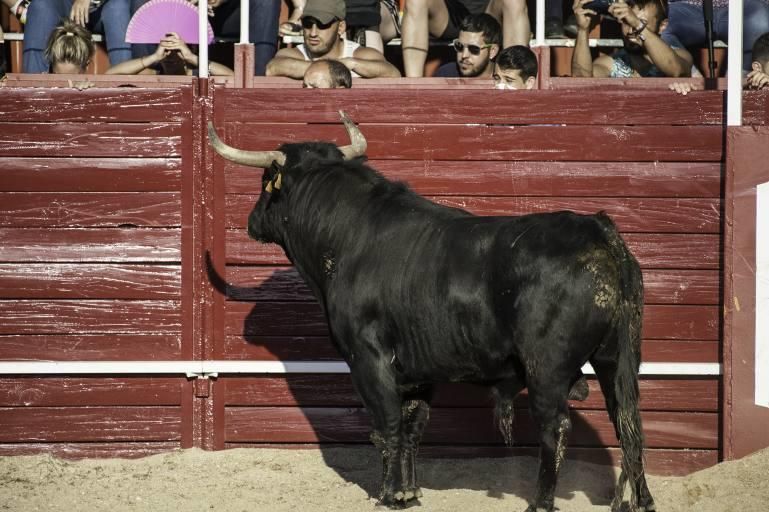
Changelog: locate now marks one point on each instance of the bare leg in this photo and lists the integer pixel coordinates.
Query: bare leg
(387, 28)
(421, 18)
(514, 16)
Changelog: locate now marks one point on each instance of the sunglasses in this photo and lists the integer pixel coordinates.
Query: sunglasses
(474, 49)
(309, 21)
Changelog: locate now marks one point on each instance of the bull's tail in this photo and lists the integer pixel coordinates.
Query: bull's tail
(621, 388)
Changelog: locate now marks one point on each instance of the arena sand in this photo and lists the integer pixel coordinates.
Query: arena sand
(343, 479)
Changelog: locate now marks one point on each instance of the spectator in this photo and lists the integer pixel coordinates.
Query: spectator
(327, 74)
(109, 17)
(18, 8)
(323, 28)
(644, 53)
(516, 68)
(686, 26)
(758, 78)
(70, 49)
(225, 19)
(441, 19)
(171, 57)
(478, 43)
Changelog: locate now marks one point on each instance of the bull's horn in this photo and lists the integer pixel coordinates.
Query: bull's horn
(251, 158)
(358, 146)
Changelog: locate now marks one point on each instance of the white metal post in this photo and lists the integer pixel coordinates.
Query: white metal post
(539, 31)
(244, 16)
(203, 38)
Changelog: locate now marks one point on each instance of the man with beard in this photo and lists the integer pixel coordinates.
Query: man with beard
(644, 53)
(323, 29)
(480, 36)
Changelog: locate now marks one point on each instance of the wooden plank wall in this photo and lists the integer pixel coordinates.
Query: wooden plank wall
(652, 159)
(90, 267)
(104, 232)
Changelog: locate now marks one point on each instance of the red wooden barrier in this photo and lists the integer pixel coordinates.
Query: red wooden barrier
(109, 206)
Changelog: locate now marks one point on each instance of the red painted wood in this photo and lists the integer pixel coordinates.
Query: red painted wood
(93, 391)
(89, 281)
(45, 174)
(653, 251)
(700, 395)
(91, 424)
(88, 139)
(92, 347)
(89, 316)
(396, 105)
(319, 348)
(105, 105)
(523, 178)
(484, 142)
(281, 283)
(464, 425)
(57, 209)
(89, 245)
(126, 450)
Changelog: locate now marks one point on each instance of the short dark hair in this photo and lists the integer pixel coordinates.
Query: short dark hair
(662, 6)
(760, 51)
(518, 57)
(339, 74)
(484, 23)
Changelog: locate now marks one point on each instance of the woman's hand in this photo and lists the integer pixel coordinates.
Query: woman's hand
(79, 12)
(172, 42)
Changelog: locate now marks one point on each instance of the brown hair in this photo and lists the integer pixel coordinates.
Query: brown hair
(70, 43)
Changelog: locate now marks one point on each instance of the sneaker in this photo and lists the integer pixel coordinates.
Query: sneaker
(20, 10)
(554, 29)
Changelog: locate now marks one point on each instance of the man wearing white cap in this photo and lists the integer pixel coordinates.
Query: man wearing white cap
(323, 29)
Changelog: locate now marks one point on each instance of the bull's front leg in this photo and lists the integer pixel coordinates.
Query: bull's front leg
(374, 379)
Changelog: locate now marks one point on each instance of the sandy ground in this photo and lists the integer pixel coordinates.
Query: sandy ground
(342, 479)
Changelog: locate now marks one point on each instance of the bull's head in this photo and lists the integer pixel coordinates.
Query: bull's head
(281, 167)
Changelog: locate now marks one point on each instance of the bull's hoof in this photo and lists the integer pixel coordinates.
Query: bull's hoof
(400, 499)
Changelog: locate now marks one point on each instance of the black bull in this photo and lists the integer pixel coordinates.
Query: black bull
(417, 294)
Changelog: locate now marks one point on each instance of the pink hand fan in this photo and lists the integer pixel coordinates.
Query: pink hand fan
(157, 18)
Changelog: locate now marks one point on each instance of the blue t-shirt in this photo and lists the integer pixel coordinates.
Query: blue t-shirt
(448, 70)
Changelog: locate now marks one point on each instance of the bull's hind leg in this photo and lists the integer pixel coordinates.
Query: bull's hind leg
(549, 406)
(416, 412)
(641, 498)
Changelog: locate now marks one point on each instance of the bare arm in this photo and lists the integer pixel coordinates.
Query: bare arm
(135, 66)
(582, 60)
(370, 63)
(672, 62)
(288, 62)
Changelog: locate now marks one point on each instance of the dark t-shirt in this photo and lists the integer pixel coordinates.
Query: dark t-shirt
(362, 13)
(448, 70)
